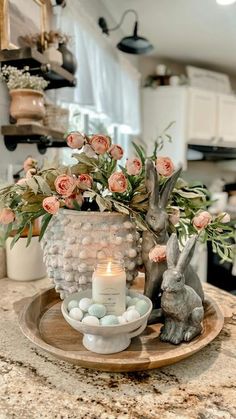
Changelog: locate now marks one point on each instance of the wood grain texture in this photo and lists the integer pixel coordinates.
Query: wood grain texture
(42, 323)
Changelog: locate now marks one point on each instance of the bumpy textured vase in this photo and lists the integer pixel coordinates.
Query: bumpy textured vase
(75, 241)
(27, 106)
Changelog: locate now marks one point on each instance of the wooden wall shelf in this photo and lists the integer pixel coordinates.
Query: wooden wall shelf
(55, 74)
(43, 136)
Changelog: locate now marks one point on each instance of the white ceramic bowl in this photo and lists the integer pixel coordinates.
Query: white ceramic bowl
(107, 339)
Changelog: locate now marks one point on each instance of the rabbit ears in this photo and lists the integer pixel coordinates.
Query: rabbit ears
(152, 185)
(178, 260)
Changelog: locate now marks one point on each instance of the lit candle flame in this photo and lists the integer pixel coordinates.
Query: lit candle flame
(109, 267)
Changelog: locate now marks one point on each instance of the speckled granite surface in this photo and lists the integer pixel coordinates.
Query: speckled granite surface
(35, 385)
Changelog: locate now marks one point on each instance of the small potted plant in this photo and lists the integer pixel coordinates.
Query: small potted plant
(27, 96)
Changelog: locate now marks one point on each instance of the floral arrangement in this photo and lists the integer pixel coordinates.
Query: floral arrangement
(21, 79)
(37, 40)
(98, 182)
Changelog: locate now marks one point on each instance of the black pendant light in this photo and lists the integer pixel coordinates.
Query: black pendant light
(133, 44)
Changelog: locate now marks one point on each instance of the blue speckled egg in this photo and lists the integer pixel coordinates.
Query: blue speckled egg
(76, 314)
(109, 320)
(97, 310)
(72, 304)
(132, 301)
(142, 307)
(85, 303)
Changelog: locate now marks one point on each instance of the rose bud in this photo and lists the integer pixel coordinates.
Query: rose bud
(164, 166)
(100, 143)
(158, 253)
(65, 185)
(84, 181)
(69, 201)
(201, 220)
(116, 152)
(51, 205)
(7, 216)
(133, 166)
(29, 163)
(75, 139)
(117, 182)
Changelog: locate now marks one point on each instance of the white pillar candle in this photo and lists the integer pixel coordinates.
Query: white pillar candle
(109, 286)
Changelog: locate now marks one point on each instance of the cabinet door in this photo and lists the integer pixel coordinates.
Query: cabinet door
(160, 107)
(226, 119)
(202, 116)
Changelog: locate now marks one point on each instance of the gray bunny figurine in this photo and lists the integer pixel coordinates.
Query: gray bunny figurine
(181, 305)
(157, 220)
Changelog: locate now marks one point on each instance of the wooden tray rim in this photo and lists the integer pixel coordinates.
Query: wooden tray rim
(107, 364)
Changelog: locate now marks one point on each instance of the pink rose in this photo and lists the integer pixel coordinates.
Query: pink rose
(69, 201)
(75, 139)
(22, 182)
(100, 143)
(164, 166)
(174, 216)
(117, 182)
(65, 185)
(84, 181)
(7, 216)
(29, 163)
(51, 205)
(116, 152)
(133, 166)
(202, 220)
(226, 218)
(158, 253)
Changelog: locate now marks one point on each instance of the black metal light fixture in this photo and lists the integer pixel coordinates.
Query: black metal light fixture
(133, 44)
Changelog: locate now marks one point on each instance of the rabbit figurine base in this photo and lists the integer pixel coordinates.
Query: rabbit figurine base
(181, 305)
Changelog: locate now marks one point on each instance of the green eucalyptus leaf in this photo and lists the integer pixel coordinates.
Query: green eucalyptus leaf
(32, 184)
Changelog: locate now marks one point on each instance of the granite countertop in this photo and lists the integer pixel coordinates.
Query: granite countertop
(33, 384)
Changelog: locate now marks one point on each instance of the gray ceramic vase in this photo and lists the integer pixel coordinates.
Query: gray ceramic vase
(75, 241)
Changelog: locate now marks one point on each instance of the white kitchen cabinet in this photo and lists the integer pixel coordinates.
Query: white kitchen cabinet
(226, 121)
(201, 117)
(159, 108)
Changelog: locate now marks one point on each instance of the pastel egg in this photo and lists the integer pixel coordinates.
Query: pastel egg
(91, 320)
(142, 307)
(75, 313)
(132, 301)
(130, 308)
(128, 298)
(72, 304)
(85, 303)
(109, 320)
(121, 319)
(97, 310)
(132, 315)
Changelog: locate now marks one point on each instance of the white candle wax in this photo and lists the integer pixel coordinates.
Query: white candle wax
(109, 287)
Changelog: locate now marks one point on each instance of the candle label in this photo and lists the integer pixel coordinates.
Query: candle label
(111, 299)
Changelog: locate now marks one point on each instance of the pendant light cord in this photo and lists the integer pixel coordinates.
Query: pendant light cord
(122, 19)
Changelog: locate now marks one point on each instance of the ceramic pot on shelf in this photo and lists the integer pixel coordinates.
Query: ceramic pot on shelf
(75, 240)
(27, 106)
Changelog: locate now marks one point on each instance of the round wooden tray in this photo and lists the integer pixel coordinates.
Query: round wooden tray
(42, 323)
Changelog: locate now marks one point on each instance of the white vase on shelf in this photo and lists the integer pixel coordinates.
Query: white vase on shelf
(53, 55)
